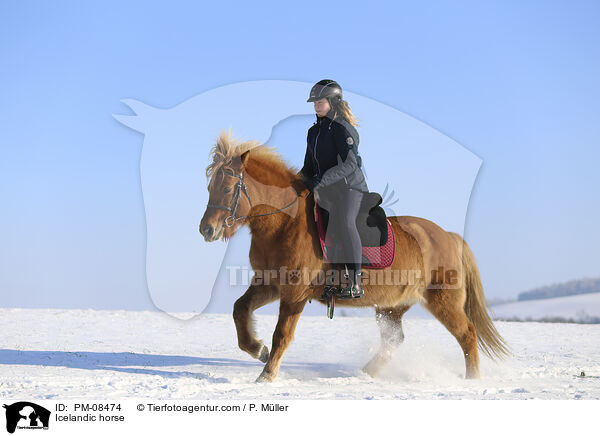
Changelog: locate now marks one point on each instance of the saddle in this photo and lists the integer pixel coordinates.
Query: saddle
(375, 230)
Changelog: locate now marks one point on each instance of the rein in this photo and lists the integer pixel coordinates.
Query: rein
(240, 186)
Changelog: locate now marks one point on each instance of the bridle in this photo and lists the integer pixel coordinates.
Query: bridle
(240, 187)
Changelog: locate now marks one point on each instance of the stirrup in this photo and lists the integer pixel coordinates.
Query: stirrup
(351, 290)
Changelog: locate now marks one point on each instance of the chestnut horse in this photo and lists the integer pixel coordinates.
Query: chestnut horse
(250, 184)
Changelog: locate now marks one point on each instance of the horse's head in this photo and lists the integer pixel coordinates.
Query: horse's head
(228, 193)
(244, 175)
(228, 200)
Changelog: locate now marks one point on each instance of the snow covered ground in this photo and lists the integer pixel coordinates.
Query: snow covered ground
(74, 354)
(576, 307)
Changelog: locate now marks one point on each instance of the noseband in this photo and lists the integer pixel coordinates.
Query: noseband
(240, 186)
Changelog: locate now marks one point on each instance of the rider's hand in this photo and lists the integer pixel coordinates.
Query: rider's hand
(311, 183)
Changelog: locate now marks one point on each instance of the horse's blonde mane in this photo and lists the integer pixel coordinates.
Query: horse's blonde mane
(227, 149)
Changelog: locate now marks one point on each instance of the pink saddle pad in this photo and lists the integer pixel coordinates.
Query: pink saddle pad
(372, 257)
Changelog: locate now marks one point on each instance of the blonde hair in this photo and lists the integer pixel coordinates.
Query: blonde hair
(343, 108)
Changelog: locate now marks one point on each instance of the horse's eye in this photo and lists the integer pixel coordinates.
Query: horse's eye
(226, 189)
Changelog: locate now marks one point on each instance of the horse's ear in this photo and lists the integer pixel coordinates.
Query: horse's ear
(244, 157)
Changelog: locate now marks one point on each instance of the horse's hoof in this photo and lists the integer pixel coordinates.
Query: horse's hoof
(264, 354)
(264, 378)
(371, 370)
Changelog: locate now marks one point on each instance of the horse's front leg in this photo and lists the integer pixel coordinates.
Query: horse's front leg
(289, 313)
(255, 297)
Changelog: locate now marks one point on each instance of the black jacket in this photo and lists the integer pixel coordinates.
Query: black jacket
(332, 155)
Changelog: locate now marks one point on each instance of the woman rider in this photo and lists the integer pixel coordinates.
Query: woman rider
(332, 172)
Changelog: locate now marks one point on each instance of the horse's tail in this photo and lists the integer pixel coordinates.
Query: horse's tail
(476, 307)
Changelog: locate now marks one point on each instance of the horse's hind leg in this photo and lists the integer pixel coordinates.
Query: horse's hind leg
(390, 326)
(256, 296)
(447, 305)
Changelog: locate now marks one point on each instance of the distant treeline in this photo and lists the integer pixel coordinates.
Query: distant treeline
(573, 287)
(554, 319)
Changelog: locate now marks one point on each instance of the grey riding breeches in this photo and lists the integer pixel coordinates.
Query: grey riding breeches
(343, 207)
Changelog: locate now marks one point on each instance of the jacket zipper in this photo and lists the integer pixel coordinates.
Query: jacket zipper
(315, 152)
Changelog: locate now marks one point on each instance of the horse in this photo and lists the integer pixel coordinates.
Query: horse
(251, 184)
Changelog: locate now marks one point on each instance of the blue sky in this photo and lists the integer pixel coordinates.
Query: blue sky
(517, 84)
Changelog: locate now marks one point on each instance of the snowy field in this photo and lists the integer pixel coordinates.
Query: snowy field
(576, 307)
(73, 354)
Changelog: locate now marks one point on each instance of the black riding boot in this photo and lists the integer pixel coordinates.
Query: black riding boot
(354, 287)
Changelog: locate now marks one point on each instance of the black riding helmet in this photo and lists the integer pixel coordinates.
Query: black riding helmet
(326, 88)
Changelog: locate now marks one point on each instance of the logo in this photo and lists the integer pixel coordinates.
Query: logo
(172, 159)
(26, 415)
